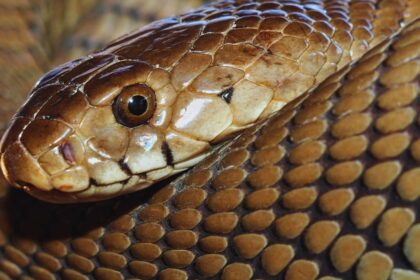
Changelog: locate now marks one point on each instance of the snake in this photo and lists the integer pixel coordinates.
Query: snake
(299, 126)
(151, 104)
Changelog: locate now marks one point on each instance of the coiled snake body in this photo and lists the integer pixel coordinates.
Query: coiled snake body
(326, 186)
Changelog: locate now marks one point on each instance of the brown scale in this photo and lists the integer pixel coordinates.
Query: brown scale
(325, 189)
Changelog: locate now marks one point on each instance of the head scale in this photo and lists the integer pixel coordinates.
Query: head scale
(88, 133)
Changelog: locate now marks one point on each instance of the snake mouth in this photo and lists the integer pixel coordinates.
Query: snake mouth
(25, 172)
(65, 168)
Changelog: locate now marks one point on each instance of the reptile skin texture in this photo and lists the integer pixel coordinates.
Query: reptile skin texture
(328, 188)
(325, 188)
(36, 35)
(207, 75)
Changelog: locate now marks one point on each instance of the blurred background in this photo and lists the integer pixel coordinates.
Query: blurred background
(36, 35)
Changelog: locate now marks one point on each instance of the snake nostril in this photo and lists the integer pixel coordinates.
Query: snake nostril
(67, 152)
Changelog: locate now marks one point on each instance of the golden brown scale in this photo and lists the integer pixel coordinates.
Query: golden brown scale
(325, 189)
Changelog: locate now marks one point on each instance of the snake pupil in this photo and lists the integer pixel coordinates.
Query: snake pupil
(137, 105)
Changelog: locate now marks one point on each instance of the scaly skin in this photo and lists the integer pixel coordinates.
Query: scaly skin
(37, 35)
(212, 73)
(327, 188)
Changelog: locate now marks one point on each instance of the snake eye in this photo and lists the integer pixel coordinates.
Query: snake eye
(135, 105)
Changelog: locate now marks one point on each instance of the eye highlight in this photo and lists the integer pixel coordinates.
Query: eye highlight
(135, 105)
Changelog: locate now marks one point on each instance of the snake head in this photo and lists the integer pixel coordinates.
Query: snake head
(147, 106)
(100, 128)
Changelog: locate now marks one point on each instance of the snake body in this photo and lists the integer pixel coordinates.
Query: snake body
(203, 76)
(324, 188)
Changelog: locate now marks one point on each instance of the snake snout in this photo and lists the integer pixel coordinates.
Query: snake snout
(21, 169)
(42, 156)
(64, 162)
